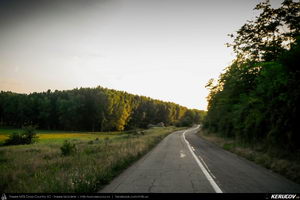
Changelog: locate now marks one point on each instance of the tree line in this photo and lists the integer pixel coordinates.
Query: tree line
(91, 109)
(256, 100)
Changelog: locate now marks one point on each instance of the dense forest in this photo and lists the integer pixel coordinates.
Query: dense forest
(91, 109)
(256, 100)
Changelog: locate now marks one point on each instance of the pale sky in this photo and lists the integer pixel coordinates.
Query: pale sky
(164, 49)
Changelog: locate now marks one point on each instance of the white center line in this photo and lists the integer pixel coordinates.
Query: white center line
(206, 173)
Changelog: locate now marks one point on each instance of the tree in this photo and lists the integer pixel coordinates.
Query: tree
(273, 31)
(255, 99)
(86, 109)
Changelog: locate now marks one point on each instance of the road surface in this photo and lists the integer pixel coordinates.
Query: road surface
(185, 163)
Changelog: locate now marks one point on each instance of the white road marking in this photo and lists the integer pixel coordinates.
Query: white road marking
(206, 173)
(207, 167)
(182, 154)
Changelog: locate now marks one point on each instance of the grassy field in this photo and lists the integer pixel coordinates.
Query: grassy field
(46, 136)
(99, 157)
(282, 164)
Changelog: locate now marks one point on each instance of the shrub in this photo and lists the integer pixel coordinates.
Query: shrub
(29, 133)
(14, 139)
(27, 136)
(67, 148)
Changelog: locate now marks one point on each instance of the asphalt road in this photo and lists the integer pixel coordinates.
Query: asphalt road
(185, 163)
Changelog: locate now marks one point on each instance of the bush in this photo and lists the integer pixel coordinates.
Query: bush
(29, 133)
(27, 136)
(67, 148)
(14, 139)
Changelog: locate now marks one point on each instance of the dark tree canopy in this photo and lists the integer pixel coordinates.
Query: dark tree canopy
(256, 99)
(90, 109)
(272, 32)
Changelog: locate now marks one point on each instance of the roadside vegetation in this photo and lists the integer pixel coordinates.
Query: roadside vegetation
(286, 165)
(103, 131)
(253, 108)
(255, 102)
(73, 162)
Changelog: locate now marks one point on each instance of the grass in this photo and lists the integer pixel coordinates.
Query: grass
(46, 136)
(288, 166)
(99, 158)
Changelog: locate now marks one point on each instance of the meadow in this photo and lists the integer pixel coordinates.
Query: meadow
(99, 157)
(46, 136)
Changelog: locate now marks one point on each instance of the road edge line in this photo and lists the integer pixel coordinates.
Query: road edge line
(206, 173)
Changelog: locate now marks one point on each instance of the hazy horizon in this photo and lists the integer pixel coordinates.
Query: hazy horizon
(164, 49)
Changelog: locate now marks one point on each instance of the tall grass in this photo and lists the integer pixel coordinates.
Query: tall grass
(41, 167)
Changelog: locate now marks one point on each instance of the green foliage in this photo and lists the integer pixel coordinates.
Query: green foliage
(29, 133)
(191, 117)
(256, 99)
(273, 31)
(88, 109)
(67, 148)
(41, 168)
(14, 139)
(27, 136)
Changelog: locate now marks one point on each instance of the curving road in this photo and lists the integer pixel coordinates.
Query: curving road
(185, 163)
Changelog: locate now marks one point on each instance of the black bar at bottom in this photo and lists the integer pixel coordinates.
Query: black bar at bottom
(186, 196)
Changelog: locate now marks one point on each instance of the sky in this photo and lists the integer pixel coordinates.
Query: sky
(164, 49)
